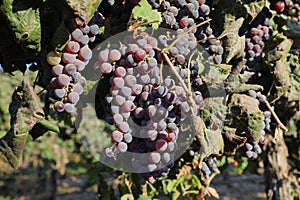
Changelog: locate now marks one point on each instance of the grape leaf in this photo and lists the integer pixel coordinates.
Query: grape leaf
(290, 28)
(24, 22)
(255, 7)
(84, 8)
(144, 10)
(234, 44)
(227, 11)
(25, 113)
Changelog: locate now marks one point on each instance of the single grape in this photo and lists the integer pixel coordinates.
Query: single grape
(184, 22)
(115, 109)
(161, 145)
(137, 89)
(218, 59)
(117, 136)
(118, 82)
(141, 41)
(123, 127)
(85, 40)
(72, 47)
(60, 93)
(68, 58)
(139, 113)
(130, 80)
(59, 106)
(114, 55)
(106, 68)
(103, 56)
(120, 71)
(92, 38)
(80, 65)
(151, 111)
(151, 135)
(132, 48)
(163, 39)
(171, 147)
(69, 108)
(73, 97)
(144, 79)
(78, 88)
(130, 60)
(180, 59)
(171, 98)
(166, 158)
(154, 157)
(204, 10)
(127, 137)
(63, 80)
(57, 70)
(77, 35)
(70, 69)
(162, 91)
(279, 6)
(53, 58)
(140, 54)
(85, 53)
(119, 100)
(128, 106)
(109, 153)
(122, 147)
(82, 81)
(94, 29)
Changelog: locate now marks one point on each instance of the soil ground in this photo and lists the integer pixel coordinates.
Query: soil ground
(243, 187)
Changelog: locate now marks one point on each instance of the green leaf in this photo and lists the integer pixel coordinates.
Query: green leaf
(196, 181)
(49, 126)
(43, 127)
(143, 197)
(127, 197)
(144, 11)
(24, 21)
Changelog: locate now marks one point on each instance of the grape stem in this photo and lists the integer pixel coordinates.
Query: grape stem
(185, 33)
(189, 72)
(190, 97)
(280, 124)
(161, 71)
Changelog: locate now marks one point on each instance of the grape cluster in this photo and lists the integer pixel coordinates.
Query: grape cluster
(259, 32)
(182, 55)
(145, 107)
(183, 14)
(289, 7)
(209, 165)
(67, 83)
(252, 149)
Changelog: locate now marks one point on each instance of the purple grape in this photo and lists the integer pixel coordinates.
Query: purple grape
(123, 127)
(117, 136)
(63, 80)
(57, 70)
(78, 88)
(122, 147)
(161, 145)
(69, 108)
(154, 157)
(59, 106)
(73, 97)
